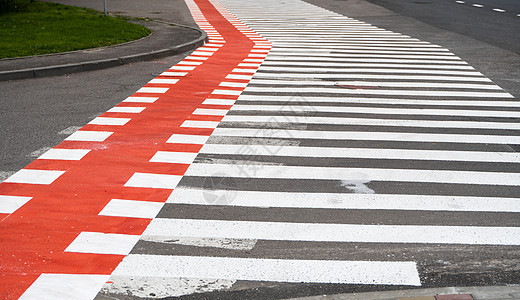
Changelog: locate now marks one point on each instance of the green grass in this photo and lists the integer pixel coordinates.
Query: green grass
(52, 28)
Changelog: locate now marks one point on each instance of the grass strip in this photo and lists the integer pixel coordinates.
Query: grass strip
(52, 28)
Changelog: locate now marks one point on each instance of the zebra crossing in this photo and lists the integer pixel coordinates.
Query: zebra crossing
(354, 155)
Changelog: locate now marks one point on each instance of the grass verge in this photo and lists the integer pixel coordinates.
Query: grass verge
(52, 28)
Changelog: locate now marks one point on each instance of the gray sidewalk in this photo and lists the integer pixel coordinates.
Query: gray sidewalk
(173, 32)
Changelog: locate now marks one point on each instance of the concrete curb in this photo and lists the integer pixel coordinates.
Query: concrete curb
(105, 63)
(454, 293)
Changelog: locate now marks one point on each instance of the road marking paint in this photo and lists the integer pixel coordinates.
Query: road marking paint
(141, 99)
(460, 2)
(200, 124)
(219, 101)
(378, 110)
(164, 81)
(154, 181)
(371, 122)
(235, 244)
(370, 76)
(239, 77)
(182, 68)
(365, 70)
(10, 204)
(353, 174)
(103, 243)
(89, 136)
(109, 121)
(499, 10)
(346, 201)
(322, 271)
(238, 70)
(377, 84)
(210, 112)
(367, 136)
(478, 5)
(197, 57)
(65, 154)
(344, 233)
(173, 157)
(185, 62)
(386, 101)
(181, 74)
(187, 139)
(126, 109)
(152, 90)
(131, 209)
(30, 176)
(233, 84)
(363, 153)
(65, 287)
(227, 92)
(366, 64)
(162, 287)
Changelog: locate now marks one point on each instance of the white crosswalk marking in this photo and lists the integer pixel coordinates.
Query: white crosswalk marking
(347, 137)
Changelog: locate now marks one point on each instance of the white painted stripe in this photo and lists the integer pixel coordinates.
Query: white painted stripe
(307, 99)
(226, 92)
(173, 157)
(346, 233)
(371, 122)
(103, 243)
(253, 60)
(366, 136)
(367, 153)
(219, 101)
(197, 57)
(210, 112)
(10, 204)
(478, 5)
(190, 63)
(322, 271)
(367, 65)
(126, 109)
(239, 70)
(233, 84)
(182, 68)
(319, 56)
(187, 139)
(207, 49)
(344, 201)
(499, 10)
(366, 70)
(174, 73)
(152, 90)
(248, 65)
(324, 49)
(141, 99)
(200, 124)
(109, 121)
(165, 81)
(155, 181)
(353, 174)
(30, 176)
(65, 287)
(131, 209)
(379, 110)
(377, 84)
(370, 76)
(239, 77)
(65, 154)
(340, 61)
(89, 136)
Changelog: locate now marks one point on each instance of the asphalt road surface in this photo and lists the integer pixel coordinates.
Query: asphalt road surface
(368, 152)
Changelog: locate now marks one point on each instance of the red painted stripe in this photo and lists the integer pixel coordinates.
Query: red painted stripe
(33, 238)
